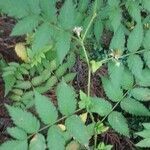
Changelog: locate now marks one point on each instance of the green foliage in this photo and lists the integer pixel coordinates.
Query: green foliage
(53, 38)
(134, 107)
(118, 40)
(75, 124)
(67, 15)
(145, 134)
(37, 142)
(135, 64)
(127, 80)
(141, 94)
(114, 93)
(63, 45)
(17, 133)
(23, 119)
(135, 38)
(45, 109)
(66, 101)
(118, 122)
(100, 106)
(55, 138)
(14, 145)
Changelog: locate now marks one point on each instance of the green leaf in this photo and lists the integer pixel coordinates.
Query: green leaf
(26, 25)
(9, 82)
(100, 106)
(144, 133)
(49, 9)
(147, 58)
(42, 37)
(55, 139)
(73, 145)
(115, 73)
(115, 15)
(13, 9)
(118, 40)
(114, 93)
(14, 145)
(66, 98)
(146, 125)
(98, 29)
(74, 124)
(83, 5)
(144, 80)
(17, 133)
(45, 108)
(134, 10)
(134, 107)
(33, 6)
(144, 143)
(63, 45)
(135, 64)
(37, 142)
(146, 4)
(135, 38)
(118, 123)
(146, 40)
(141, 94)
(23, 119)
(127, 79)
(95, 65)
(67, 15)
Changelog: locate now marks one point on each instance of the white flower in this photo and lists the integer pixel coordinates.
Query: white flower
(77, 30)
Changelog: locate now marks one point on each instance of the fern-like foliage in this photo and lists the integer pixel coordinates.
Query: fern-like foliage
(21, 79)
(26, 122)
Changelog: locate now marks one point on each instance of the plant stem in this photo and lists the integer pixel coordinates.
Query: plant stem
(114, 106)
(59, 120)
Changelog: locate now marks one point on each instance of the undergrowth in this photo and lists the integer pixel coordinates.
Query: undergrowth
(54, 36)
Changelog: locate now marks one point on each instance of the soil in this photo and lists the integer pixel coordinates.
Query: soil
(6, 50)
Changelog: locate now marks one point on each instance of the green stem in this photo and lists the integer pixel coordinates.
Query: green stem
(115, 106)
(58, 121)
(89, 25)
